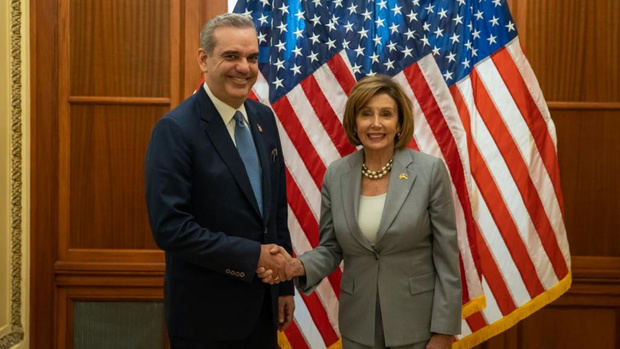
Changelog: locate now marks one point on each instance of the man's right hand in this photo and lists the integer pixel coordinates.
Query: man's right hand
(273, 259)
(293, 267)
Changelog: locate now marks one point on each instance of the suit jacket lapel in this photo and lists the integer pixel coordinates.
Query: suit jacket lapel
(402, 178)
(263, 157)
(220, 138)
(351, 184)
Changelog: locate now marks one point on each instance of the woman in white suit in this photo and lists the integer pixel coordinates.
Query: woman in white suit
(387, 212)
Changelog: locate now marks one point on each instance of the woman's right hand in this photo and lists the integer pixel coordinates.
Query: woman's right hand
(294, 268)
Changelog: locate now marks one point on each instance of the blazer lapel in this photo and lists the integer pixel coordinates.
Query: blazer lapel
(351, 183)
(402, 178)
(263, 157)
(220, 138)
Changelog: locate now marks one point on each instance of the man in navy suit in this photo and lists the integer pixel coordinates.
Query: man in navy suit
(216, 198)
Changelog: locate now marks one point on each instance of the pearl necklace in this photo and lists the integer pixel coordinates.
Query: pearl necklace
(377, 174)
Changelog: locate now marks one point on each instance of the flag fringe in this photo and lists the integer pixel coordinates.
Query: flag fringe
(517, 315)
(283, 342)
(337, 345)
(473, 306)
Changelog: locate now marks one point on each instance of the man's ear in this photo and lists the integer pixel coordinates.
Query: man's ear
(202, 60)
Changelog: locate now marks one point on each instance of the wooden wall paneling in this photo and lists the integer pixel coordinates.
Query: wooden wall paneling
(189, 69)
(588, 143)
(587, 316)
(44, 170)
(175, 50)
(64, 127)
(117, 77)
(599, 269)
(119, 48)
(575, 49)
(109, 142)
(576, 327)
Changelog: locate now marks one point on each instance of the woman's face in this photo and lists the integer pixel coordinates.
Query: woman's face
(377, 123)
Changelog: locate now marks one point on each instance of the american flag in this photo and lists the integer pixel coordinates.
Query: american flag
(477, 105)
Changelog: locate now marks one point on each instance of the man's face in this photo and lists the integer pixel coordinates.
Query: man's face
(231, 70)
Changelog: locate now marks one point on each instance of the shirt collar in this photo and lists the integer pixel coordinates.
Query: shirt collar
(226, 111)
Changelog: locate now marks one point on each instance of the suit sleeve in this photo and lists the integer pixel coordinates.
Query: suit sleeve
(447, 299)
(326, 257)
(168, 177)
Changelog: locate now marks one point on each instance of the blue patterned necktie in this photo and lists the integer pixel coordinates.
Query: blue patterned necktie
(247, 151)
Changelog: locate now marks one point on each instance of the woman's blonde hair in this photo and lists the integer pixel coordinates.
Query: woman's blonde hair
(369, 87)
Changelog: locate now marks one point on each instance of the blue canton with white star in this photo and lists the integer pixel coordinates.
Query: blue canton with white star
(385, 36)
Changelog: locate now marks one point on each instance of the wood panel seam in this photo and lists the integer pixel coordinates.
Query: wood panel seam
(564, 105)
(119, 100)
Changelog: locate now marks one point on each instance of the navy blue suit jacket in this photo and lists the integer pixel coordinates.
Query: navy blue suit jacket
(204, 215)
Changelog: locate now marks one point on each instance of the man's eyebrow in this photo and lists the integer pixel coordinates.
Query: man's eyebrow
(229, 52)
(238, 53)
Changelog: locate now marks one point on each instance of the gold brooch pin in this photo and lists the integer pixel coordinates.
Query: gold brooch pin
(403, 176)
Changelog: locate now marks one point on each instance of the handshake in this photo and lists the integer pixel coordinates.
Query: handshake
(276, 265)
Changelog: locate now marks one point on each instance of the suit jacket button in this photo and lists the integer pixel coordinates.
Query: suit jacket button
(266, 231)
